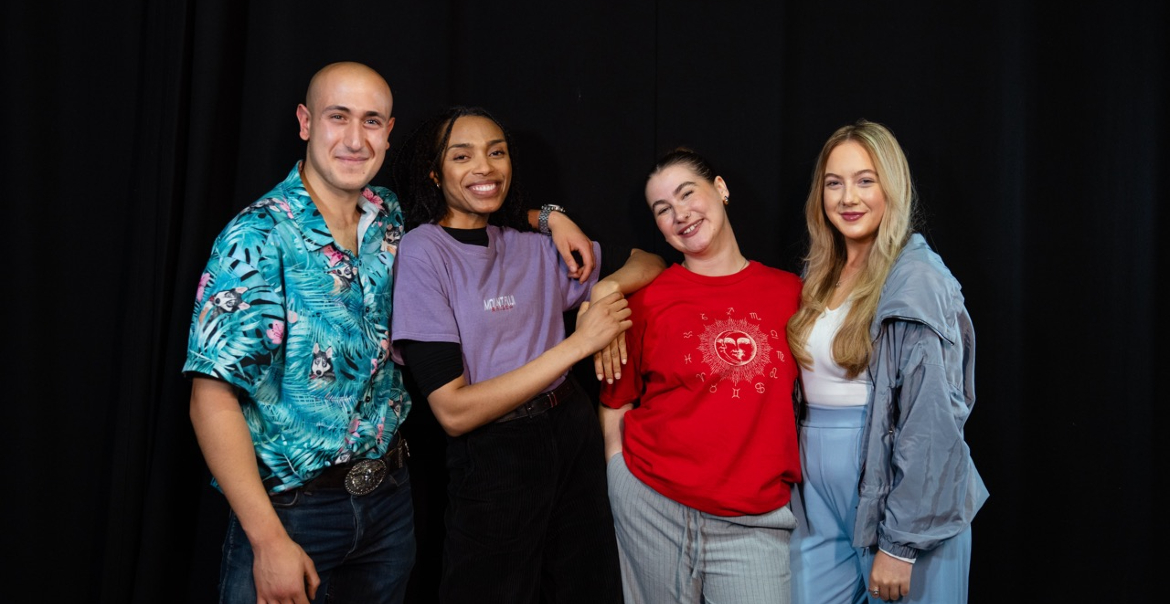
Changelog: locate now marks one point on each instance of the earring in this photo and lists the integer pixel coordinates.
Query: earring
(726, 199)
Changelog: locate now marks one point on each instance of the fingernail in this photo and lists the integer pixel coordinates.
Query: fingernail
(600, 377)
(617, 376)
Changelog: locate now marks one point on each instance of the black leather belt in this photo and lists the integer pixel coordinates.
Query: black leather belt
(361, 476)
(540, 403)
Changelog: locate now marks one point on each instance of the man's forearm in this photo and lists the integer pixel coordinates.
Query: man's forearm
(227, 448)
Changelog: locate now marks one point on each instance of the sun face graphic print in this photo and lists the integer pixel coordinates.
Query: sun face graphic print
(735, 349)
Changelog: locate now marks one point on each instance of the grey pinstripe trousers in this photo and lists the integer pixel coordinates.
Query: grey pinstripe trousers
(671, 553)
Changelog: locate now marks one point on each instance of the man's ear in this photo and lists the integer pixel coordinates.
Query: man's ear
(304, 118)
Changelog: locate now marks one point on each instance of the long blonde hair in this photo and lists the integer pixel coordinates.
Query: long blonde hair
(826, 257)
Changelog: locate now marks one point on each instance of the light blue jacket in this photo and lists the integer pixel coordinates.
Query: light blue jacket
(918, 486)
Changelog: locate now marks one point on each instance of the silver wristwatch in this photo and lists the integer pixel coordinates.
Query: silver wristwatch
(544, 212)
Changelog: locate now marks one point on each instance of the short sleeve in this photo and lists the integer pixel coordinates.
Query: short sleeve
(238, 324)
(422, 304)
(576, 292)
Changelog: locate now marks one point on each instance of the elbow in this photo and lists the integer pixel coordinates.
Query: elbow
(454, 431)
(454, 425)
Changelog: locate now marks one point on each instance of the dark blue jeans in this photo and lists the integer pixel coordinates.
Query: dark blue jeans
(528, 516)
(362, 547)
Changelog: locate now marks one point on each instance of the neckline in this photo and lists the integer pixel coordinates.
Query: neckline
(746, 264)
(844, 304)
(685, 273)
(476, 236)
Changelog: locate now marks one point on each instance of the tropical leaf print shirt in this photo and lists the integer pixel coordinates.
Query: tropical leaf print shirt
(300, 326)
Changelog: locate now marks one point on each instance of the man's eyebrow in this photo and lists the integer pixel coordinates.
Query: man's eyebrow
(345, 109)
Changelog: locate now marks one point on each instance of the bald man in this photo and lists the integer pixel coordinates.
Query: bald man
(294, 401)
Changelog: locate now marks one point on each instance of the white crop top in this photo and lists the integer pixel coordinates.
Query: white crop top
(825, 385)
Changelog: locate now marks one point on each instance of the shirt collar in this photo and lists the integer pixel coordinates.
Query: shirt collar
(309, 219)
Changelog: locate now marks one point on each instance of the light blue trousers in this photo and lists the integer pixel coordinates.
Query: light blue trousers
(671, 553)
(826, 568)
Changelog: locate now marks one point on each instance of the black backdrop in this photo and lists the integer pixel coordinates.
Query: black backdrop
(1037, 134)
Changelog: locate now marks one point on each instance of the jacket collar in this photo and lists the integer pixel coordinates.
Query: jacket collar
(920, 288)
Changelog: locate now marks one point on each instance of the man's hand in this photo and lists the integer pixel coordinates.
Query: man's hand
(283, 573)
(281, 569)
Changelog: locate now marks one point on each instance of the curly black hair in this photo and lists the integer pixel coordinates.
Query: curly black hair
(421, 154)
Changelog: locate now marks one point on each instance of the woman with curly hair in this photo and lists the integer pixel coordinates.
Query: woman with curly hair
(478, 320)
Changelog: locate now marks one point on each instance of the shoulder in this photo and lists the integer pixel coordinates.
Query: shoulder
(254, 225)
(267, 220)
(531, 238)
(671, 277)
(284, 203)
(918, 267)
(664, 287)
(920, 287)
(780, 286)
(777, 284)
(421, 243)
(525, 246)
(423, 234)
(779, 277)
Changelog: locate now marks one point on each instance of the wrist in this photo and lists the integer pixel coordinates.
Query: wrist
(603, 288)
(578, 346)
(270, 532)
(548, 212)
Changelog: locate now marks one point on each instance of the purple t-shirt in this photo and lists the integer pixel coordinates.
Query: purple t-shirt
(502, 304)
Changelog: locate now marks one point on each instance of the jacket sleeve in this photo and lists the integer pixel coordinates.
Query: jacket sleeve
(931, 472)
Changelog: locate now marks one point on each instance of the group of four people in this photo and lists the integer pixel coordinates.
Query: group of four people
(695, 486)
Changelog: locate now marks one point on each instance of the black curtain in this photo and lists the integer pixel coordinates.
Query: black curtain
(1037, 136)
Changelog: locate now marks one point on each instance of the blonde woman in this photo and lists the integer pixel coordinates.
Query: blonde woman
(887, 351)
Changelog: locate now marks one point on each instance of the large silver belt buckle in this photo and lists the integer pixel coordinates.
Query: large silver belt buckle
(365, 476)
